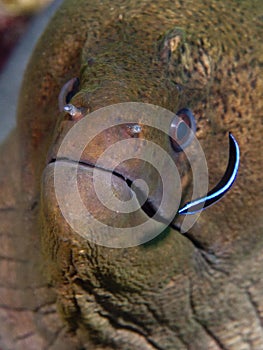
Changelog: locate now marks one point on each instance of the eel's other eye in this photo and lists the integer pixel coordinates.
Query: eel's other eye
(67, 92)
(182, 129)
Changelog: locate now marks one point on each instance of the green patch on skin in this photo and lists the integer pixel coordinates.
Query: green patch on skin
(157, 240)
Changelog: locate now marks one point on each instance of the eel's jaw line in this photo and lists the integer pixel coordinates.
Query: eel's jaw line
(222, 187)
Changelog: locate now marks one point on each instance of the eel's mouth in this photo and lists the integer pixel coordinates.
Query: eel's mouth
(148, 204)
(124, 216)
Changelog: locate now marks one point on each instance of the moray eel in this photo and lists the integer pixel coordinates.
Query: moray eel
(198, 290)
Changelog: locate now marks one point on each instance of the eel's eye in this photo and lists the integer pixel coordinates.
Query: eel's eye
(182, 129)
(69, 89)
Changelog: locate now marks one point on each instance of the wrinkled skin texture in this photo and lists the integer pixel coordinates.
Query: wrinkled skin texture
(174, 293)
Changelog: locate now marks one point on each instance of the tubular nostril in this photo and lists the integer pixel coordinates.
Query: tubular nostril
(67, 92)
(76, 113)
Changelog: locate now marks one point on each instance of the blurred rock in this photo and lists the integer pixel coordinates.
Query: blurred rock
(19, 7)
(12, 73)
(11, 29)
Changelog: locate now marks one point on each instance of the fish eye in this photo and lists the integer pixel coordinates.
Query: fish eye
(69, 89)
(182, 129)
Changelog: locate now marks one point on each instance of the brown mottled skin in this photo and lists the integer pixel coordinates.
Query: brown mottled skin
(171, 293)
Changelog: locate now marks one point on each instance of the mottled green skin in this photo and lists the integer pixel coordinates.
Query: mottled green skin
(169, 294)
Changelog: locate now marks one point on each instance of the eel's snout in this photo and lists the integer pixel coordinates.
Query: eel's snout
(122, 171)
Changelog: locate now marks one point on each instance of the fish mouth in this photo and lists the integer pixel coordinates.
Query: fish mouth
(150, 202)
(147, 203)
